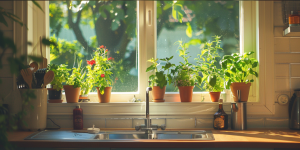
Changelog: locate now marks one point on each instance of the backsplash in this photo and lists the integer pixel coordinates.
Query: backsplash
(286, 57)
(171, 123)
(173, 115)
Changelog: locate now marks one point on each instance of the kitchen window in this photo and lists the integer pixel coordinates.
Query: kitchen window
(135, 31)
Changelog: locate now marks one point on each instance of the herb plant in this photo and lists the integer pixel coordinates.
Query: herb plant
(61, 73)
(99, 69)
(238, 68)
(160, 78)
(76, 77)
(213, 77)
(185, 73)
(87, 82)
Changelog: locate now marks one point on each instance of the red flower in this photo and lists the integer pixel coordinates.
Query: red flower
(102, 46)
(109, 58)
(106, 50)
(102, 75)
(92, 62)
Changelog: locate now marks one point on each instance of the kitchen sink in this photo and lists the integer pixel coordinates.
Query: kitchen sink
(191, 135)
(122, 135)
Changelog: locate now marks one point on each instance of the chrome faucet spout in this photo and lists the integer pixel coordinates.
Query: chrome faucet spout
(148, 127)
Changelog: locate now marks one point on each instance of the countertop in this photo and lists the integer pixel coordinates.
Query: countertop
(261, 138)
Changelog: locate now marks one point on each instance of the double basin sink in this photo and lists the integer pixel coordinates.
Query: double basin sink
(121, 135)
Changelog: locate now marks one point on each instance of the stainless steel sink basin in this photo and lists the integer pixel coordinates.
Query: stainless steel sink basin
(122, 135)
(184, 135)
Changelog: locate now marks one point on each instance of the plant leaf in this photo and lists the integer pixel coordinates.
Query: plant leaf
(213, 81)
(38, 5)
(199, 79)
(255, 63)
(189, 31)
(152, 67)
(2, 19)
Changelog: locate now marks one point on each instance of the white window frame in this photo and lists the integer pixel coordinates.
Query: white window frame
(253, 36)
(247, 44)
(261, 31)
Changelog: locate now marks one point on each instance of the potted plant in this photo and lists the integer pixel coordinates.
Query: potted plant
(85, 89)
(60, 76)
(237, 70)
(86, 83)
(213, 77)
(185, 75)
(160, 78)
(74, 83)
(99, 70)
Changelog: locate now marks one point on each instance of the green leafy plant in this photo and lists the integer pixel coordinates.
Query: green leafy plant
(213, 77)
(99, 69)
(76, 77)
(238, 68)
(87, 83)
(185, 73)
(159, 78)
(61, 73)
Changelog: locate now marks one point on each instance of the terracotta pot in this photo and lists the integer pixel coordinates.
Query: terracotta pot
(83, 97)
(105, 98)
(72, 94)
(54, 94)
(158, 94)
(243, 87)
(186, 93)
(214, 96)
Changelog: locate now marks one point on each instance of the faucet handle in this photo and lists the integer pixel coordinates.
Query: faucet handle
(137, 128)
(162, 127)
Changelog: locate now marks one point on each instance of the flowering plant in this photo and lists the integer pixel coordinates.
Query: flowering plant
(99, 69)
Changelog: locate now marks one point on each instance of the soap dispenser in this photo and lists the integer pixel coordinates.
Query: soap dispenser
(77, 118)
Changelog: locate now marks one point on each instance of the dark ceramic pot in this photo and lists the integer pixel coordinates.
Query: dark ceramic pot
(54, 94)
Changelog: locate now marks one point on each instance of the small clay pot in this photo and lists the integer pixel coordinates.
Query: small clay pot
(83, 98)
(54, 94)
(243, 87)
(105, 98)
(214, 96)
(186, 93)
(72, 94)
(158, 93)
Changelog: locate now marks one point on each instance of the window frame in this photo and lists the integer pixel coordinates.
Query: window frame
(263, 39)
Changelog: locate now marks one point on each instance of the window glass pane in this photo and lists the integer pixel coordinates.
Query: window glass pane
(81, 26)
(206, 19)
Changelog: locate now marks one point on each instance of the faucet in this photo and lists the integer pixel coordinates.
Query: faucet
(148, 127)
